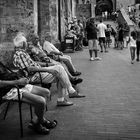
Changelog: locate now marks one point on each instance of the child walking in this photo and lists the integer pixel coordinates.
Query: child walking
(132, 45)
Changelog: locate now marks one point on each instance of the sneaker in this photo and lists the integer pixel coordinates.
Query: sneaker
(132, 62)
(137, 59)
(98, 58)
(77, 73)
(91, 59)
(76, 95)
(64, 103)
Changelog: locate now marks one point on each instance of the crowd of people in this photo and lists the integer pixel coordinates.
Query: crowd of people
(100, 35)
(75, 28)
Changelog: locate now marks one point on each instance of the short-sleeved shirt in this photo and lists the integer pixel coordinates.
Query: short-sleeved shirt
(101, 27)
(23, 60)
(132, 42)
(49, 47)
(91, 31)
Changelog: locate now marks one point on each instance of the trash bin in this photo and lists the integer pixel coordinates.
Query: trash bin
(69, 44)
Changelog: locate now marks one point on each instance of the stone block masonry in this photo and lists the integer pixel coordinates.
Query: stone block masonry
(15, 16)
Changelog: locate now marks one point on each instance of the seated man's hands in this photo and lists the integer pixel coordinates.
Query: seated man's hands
(47, 59)
(50, 64)
(53, 72)
(23, 81)
(61, 53)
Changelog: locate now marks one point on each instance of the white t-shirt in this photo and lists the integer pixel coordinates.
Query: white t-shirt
(101, 27)
(49, 47)
(132, 42)
(129, 9)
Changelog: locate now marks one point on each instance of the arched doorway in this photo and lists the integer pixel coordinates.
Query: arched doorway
(102, 6)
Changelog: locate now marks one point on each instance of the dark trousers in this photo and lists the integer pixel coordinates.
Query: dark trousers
(138, 49)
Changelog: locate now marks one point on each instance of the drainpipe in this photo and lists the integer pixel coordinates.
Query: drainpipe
(59, 20)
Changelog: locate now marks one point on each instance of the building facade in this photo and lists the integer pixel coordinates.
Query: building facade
(48, 17)
(99, 6)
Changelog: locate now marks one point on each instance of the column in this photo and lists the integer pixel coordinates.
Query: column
(36, 16)
(93, 5)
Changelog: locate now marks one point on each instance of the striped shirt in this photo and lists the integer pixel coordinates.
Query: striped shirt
(23, 60)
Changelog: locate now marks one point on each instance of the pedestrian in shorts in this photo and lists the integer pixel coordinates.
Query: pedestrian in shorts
(91, 30)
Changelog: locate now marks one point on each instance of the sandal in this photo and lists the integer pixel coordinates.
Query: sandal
(38, 128)
(49, 124)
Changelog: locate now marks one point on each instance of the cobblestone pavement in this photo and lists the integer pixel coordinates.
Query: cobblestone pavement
(110, 111)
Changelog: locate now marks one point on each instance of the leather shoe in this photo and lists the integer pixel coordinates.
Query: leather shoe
(38, 128)
(76, 81)
(76, 95)
(77, 73)
(64, 103)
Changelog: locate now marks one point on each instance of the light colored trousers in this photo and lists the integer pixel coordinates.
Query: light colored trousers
(68, 62)
(60, 77)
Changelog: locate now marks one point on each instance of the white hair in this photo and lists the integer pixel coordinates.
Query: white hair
(19, 39)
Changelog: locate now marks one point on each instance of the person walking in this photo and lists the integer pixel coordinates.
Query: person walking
(108, 35)
(138, 42)
(132, 44)
(120, 37)
(92, 39)
(102, 38)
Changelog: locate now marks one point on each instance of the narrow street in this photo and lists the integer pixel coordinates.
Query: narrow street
(111, 108)
(110, 111)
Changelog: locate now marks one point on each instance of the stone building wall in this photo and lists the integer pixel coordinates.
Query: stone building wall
(44, 19)
(54, 21)
(48, 20)
(15, 15)
(124, 3)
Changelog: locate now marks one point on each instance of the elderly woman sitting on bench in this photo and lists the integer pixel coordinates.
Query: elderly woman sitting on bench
(51, 49)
